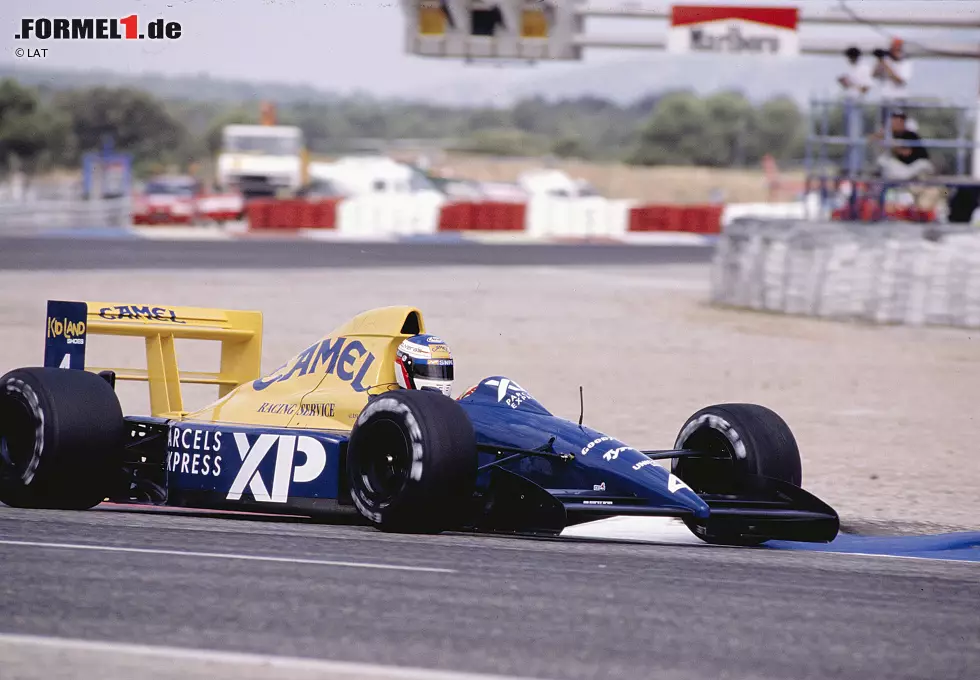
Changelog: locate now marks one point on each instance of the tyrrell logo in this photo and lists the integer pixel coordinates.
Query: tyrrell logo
(285, 471)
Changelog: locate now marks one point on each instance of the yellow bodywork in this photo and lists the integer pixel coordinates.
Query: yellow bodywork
(324, 386)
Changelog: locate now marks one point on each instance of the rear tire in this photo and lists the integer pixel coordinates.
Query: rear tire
(61, 435)
(411, 462)
(750, 440)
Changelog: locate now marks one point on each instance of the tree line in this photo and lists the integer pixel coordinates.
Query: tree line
(43, 128)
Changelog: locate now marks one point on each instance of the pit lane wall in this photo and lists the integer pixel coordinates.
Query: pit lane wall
(885, 273)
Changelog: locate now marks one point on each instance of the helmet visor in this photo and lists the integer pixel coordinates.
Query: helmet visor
(433, 370)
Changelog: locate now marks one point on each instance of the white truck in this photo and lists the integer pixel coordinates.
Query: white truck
(360, 175)
(262, 160)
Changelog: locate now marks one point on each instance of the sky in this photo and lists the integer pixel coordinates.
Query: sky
(345, 46)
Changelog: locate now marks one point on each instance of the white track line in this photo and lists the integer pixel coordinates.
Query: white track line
(227, 556)
(332, 669)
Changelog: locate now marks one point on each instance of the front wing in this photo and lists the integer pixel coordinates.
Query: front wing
(756, 507)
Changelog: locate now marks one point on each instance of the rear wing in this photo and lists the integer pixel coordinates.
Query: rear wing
(240, 333)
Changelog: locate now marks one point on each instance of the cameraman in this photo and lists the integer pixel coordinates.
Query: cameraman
(894, 71)
(857, 80)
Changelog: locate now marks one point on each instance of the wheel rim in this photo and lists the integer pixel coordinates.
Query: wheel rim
(383, 462)
(708, 475)
(18, 428)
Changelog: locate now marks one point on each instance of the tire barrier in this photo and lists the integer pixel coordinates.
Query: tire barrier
(881, 273)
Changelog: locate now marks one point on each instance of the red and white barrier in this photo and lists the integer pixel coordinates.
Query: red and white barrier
(543, 217)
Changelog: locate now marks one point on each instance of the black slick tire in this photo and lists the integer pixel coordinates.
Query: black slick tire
(411, 462)
(61, 435)
(747, 439)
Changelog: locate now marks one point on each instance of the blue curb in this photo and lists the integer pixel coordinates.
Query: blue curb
(962, 546)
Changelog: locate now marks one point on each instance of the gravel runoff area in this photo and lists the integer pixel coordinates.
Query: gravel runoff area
(887, 418)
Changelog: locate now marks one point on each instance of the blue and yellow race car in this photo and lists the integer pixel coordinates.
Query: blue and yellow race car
(330, 429)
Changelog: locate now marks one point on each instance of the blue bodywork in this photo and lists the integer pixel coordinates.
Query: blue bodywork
(537, 473)
(604, 472)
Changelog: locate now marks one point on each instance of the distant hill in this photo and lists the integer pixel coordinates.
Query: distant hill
(199, 87)
(623, 82)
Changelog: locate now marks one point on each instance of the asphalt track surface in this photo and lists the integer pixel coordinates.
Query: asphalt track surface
(481, 604)
(82, 586)
(58, 253)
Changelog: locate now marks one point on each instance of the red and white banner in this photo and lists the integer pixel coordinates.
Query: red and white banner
(767, 31)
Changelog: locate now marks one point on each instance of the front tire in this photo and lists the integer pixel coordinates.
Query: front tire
(746, 439)
(411, 462)
(61, 433)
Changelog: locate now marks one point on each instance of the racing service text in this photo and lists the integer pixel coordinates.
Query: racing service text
(325, 410)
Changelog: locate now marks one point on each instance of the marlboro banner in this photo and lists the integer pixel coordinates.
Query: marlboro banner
(767, 31)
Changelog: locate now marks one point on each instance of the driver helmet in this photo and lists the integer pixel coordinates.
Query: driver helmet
(424, 361)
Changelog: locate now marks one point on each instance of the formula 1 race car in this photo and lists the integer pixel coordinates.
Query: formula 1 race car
(330, 428)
